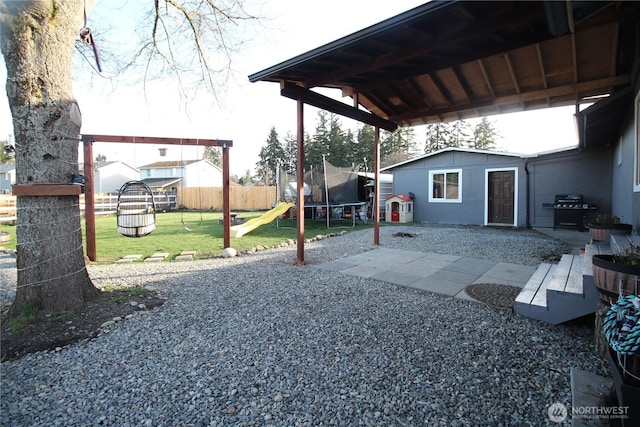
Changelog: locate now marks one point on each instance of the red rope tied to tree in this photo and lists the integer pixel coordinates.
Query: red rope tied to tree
(87, 38)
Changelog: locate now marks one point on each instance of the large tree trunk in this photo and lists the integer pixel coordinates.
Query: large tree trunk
(38, 39)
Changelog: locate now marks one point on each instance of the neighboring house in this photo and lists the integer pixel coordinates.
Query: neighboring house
(108, 177)
(169, 175)
(466, 186)
(7, 177)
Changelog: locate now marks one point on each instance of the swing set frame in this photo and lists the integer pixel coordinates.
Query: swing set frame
(87, 142)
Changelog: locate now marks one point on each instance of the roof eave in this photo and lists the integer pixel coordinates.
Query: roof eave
(430, 7)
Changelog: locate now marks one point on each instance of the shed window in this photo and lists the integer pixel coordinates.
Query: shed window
(445, 185)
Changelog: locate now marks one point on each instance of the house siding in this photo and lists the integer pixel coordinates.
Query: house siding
(413, 178)
(538, 179)
(109, 178)
(199, 173)
(7, 178)
(625, 202)
(585, 172)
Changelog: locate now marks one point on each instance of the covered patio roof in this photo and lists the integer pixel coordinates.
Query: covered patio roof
(455, 60)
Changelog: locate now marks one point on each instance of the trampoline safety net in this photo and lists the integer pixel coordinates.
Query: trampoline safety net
(323, 184)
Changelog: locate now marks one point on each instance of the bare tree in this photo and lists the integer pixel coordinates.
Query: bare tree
(38, 41)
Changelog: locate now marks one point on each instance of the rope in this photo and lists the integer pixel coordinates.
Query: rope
(622, 325)
(182, 176)
(87, 38)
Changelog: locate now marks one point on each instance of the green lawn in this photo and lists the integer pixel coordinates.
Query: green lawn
(206, 236)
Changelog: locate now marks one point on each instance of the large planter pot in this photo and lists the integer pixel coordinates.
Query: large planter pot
(609, 276)
(602, 232)
(627, 390)
(621, 229)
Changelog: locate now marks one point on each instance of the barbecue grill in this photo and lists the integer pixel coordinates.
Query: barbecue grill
(569, 210)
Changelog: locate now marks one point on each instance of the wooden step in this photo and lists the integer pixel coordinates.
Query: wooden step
(568, 275)
(556, 293)
(589, 251)
(621, 242)
(534, 292)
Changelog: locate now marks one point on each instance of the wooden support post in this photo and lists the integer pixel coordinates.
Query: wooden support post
(300, 183)
(226, 237)
(89, 208)
(376, 188)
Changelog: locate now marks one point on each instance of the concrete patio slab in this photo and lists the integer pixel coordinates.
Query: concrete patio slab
(470, 266)
(507, 274)
(439, 273)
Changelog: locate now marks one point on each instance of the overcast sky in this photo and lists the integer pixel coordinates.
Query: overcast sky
(249, 110)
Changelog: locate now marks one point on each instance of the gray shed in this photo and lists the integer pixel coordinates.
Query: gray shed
(467, 186)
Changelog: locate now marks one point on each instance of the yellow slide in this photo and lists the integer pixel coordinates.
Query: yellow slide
(242, 229)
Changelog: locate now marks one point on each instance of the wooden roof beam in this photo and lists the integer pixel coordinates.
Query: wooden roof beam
(519, 98)
(614, 48)
(421, 46)
(543, 72)
(295, 92)
(463, 83)
(486, 78)
(512, 73)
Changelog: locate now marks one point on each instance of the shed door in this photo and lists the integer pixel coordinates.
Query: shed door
(501, 197)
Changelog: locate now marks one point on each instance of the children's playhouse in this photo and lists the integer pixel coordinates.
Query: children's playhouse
(399, 208)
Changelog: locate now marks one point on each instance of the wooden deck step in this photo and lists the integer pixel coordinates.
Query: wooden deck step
(568, 275)
(621, 242)
(535, 291)
(589, 251)
(558, 293)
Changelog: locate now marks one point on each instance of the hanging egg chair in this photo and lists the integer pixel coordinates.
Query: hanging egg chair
(136, 210)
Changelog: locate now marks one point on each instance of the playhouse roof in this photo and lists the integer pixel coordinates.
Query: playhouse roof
(402, 197)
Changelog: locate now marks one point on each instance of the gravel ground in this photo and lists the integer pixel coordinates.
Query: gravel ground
(258, 340)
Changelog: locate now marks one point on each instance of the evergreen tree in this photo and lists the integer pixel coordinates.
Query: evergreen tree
(397, 146)
(319, 144)
(485, 136)
(352, 151)
(444, 135)
(290, 148)
(214, 155)
(245, 179)
(337, 153)
(365, 141)
(460, 133)
(271, 155)
(437, 138)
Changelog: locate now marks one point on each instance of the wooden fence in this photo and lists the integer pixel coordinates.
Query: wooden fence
(240, 198)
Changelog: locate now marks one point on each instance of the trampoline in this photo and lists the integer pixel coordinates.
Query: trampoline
(330, 194)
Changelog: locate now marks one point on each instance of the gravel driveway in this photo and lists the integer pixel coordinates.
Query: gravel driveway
(258, 340)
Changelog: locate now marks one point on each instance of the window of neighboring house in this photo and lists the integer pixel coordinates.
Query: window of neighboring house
(445, 185)
(636, 157)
